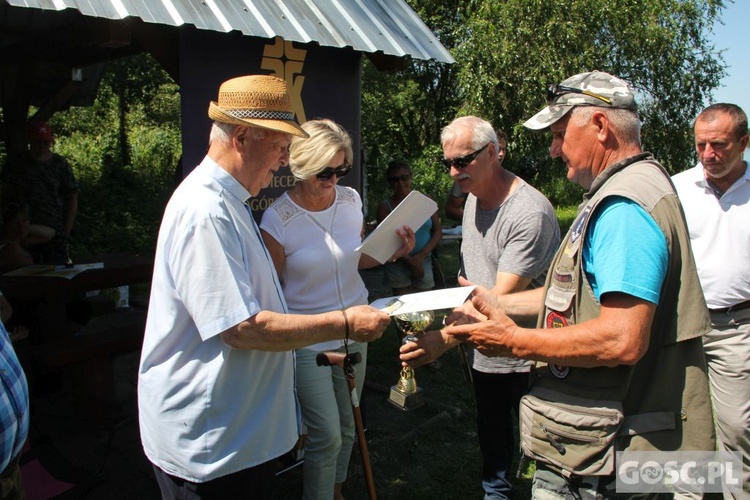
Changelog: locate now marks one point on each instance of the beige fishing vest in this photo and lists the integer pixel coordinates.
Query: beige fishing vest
(664, 397)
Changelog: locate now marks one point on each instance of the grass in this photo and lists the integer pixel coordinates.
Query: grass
(565, 216)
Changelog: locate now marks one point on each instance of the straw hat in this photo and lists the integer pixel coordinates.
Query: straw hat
(256, 101)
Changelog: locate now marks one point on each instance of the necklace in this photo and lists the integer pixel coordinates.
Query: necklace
(315, 205)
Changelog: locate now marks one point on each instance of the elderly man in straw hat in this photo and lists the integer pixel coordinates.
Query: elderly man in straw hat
(216, 378)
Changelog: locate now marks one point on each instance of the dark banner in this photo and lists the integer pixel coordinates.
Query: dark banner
(324, 82)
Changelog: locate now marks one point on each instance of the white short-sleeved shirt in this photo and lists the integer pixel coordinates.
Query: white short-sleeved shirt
(719, 235)
(321, 266)
(206, 409)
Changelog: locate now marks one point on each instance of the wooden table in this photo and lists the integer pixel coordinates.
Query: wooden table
(86, 355)
(52, 294)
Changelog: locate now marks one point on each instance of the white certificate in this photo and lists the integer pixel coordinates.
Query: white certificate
(447, 298)
(413, 211)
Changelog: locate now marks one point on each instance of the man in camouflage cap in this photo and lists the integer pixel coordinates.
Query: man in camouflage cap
(586, 89)
(617, 345)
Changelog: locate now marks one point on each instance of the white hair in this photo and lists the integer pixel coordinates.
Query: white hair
(625, 122)
(223, 132)
(482, 131)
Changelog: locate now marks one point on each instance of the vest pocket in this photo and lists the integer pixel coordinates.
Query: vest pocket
(573, 435)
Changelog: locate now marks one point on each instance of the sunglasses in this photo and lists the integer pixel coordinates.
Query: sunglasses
(556, 90)
(329, 172)
(463, 161)
(394, 179)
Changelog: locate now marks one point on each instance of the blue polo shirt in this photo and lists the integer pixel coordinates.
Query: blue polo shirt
(630, 248)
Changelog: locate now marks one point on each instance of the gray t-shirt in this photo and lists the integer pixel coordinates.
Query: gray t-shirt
(520, 237)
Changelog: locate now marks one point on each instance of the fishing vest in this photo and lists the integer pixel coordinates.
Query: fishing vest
(664, 397)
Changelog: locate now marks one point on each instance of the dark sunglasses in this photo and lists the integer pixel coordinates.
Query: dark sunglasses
(556, 90)
(394, 179)
(463, 161)
(329, 172)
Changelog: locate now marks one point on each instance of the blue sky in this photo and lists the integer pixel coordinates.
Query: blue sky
(733, 36)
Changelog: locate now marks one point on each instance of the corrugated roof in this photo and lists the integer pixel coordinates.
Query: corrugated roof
(390, 26)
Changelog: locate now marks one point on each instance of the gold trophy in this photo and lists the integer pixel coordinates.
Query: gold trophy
(405, 395)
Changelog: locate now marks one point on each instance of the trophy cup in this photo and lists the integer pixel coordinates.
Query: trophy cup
(405, 395)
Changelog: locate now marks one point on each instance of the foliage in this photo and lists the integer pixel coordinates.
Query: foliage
(664, 54)
(508, 51)
(124, 157)
(565, 217)
(403, 113)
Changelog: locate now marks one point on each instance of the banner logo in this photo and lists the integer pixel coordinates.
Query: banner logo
(286, 62)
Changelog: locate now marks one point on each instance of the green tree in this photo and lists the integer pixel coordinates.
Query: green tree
(659, 46)
(124, 150)
(509, 51)
(403, 112)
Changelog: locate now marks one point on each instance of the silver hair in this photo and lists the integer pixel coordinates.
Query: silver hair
(482, 131)
(625, 122)
(222, 132)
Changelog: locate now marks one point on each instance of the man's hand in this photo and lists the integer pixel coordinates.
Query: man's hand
(19, 333)
(428, 347)
(366, 323)
(493, 336)
(467, 313)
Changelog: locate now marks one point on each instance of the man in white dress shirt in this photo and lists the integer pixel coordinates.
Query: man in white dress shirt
(715, 195)
(216, 379)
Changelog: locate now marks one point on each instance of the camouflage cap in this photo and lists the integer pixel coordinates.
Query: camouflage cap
(594, 88)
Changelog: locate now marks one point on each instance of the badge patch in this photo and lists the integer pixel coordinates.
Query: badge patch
(578, 224)
(563, 278)
(556, 320)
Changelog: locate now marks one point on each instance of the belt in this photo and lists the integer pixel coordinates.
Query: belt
(735, 307)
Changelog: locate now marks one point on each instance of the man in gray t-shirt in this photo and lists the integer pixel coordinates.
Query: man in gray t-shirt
(510, 234)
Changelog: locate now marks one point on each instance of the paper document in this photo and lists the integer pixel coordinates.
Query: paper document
(446, 298)
(54, 271)
(413, 212)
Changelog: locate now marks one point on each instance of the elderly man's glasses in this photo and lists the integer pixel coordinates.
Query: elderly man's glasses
(395, 178)
(556, 90)
(463, 161)
(329, 172)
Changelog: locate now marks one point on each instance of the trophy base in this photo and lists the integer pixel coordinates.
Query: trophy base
(404, 401)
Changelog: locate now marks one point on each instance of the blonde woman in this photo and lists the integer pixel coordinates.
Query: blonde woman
(311, 232)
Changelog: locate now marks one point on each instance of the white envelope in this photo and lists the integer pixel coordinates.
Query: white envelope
(447, 298)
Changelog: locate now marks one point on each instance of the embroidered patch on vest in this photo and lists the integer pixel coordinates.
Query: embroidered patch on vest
(563, 277)
(578, 224)
(556, 320)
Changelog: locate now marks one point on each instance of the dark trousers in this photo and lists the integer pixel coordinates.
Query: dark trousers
(498, 396)
(11, 486)
(253, 483)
